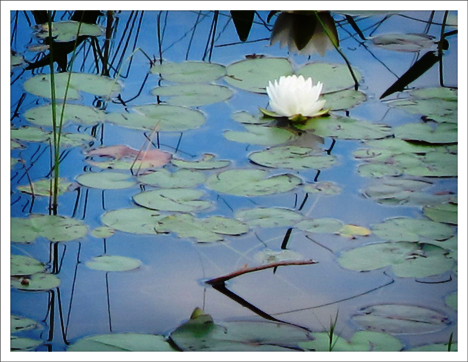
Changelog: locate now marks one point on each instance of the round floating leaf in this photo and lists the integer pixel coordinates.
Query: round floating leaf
(260, 135)
(79, 114)
(443, 133)
(24, 265)
(206, 163)
(446, 213)
(30, 134)
(193, 94)
(103, 232)
(408, 229)
(39, 85)
(37, 282)
(351, 231)
(106, 180)
(122, 342)
(323, 188)
(67, 31)
(269, 217)
(345, 128)
(189, 72)
(397, 146)
(268, 256)
(378, 170)
(247, 118)
(333, 76)
(253, 75)
(449, 94)
(113, 263)
(320, 225)
(452, 300)
(75, 139)
(60, 228)
(293, 157)
(400, 319)
(408, 260)
(23, 230)
(437, 109)
(345, 99)
(44, 187)
(182, 200)
(432, 164)
(133, 220)
(179, 179)
(19, 324)
(203, 230)
(159, 117)
(251, 182)
(404, 42)
(16, 60)
(23, 343)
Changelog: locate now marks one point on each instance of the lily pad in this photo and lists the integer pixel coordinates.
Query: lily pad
(352, 231)
(76, 113)
(29, 134)
(105, 180)
(133, 220)
(269, 256)
(404, 42)
(446, 213)
(400, 319)
(75, 139)
(414, 230)
(435, 347)
(397, 146)
(334, 77)
(25, 265)
(269, 217)
(208, 162)
(378, 170)
(203, 230)
(247, 118)
(293, 157)
(36, 282)
(344, 100)
(44, 187)
(323, 188)
(436, 108)
(245, 182)
(122, 342)
(260, 135)
(432, 164)
(66, 31)
(449, 94)
(443, 133)
(193, 94)
(320, 225)
(23, 343)
(452, 300)
(19, 324)
(179, 179)
(39, 85)
(189, 72)
(253, 75)
(181, 200)
(408, 260)
(110, 263)
(103, 232)
(159, 117)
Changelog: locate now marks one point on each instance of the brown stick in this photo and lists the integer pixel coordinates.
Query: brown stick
(242, 271)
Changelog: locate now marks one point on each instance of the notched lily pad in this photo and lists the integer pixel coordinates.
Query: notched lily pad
(66, 31)
(19, 324)
(320, 225)
(45, 187)
(36, 282)
(103, 232)
(208, 162)
(442, 133)
(25, 265)
(23, 343)
(193, 94)
(446, 213)
(404, 42)
(334, 77)
(189, 72)
(76, 113)
(105, 180)
(110, 263)
(121, 342)
(323, 188)
(269, 217)
(260, 135)
(181, 200)
(133, 220)
(179, 179)
(344, 100)
(247, 118)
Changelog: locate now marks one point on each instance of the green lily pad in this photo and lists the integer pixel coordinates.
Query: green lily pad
(66, 31)
(189, 72)
(39, 85)
(452, 300)
(400, 319)
(293, 157)
(397, 146)
(16, 60)
(23, 343)
(106, 180)
(345, 128)
(361, 341)
(36, 282)
(247, 118)
(15, 145)
(269, 217)
(405, 42)
(378, 170)
(443, 133)
(19, 324)
(246, 182)
(208, 162)
(29, 134)
(203, 230)
(320, 225)
(438, 109)
(260, 135)
(253, 75)
(408, 229)
(43, 187)
(113, 263)
(193, 94)
(446, 213)
(180, 179)
(159, 117)
(449, 94)
(432, 164)
(122, 342)
(25, 265)
(323, 188)
(268, 256)
(76, 113)
(133, 220)
(334, 77)
(343, 100)
(408, 260)
(103, 232)
(181, 200)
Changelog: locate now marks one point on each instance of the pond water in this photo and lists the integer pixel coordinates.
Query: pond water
(368, 192)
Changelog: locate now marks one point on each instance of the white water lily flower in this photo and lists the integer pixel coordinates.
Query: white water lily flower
(295, 97)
